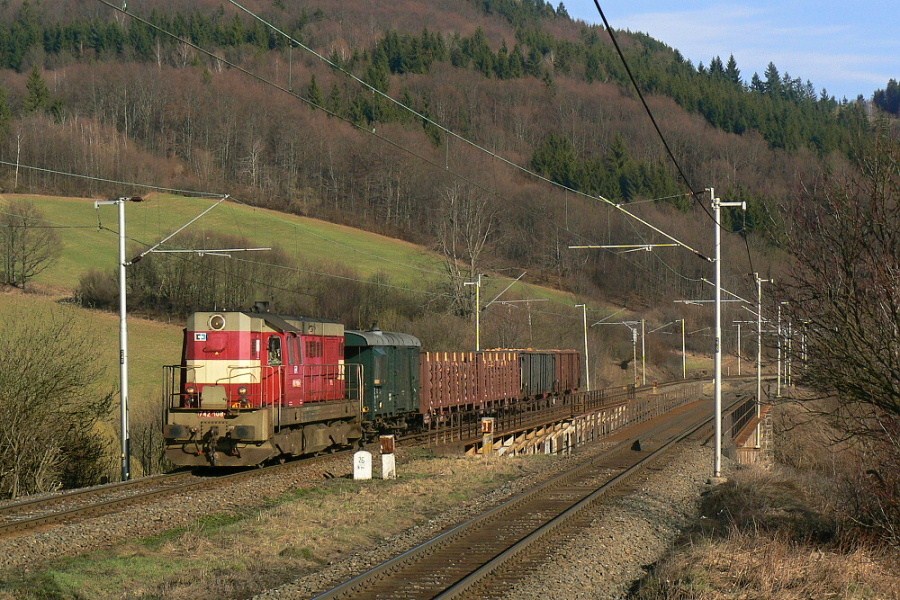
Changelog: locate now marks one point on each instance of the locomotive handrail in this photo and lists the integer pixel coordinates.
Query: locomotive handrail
(275, 370)
(169, 386)
(248, 371)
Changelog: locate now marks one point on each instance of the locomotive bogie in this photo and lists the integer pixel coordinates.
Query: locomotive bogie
(238, 438)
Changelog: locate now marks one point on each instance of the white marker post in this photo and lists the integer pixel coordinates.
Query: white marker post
(388, 463)
(362, 465)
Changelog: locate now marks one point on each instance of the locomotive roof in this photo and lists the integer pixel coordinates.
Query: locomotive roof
(240, 320)
(376, 337)
(299, 325)
(277, 322)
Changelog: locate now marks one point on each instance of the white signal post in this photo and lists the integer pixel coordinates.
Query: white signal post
(759, 320)
(717, 205)
(643, 356)
(477, 284)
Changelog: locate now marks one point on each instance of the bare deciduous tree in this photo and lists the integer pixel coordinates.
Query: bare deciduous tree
(27, 244)
(466, 224)
(845, 292)
(845, 296)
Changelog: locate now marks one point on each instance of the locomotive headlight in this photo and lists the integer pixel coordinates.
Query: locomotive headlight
(190, 389)
(242, 391)
(217, 322)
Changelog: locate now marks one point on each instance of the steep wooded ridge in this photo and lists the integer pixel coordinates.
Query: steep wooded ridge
(92, 90)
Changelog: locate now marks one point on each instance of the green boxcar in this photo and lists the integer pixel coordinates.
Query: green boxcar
(390, 372)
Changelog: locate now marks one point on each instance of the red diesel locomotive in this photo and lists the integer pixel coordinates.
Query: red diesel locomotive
(254, 386)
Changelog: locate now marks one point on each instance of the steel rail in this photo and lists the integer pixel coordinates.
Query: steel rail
(477, 577)
(128, 496)
(355, 587)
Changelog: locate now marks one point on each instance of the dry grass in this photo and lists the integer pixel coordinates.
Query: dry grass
(244, 550)
(787, 532)
(760, 566)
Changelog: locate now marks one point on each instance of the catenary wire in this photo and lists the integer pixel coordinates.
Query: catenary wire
(665, 143)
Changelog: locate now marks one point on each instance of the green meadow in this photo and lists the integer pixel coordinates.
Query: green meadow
(90, 236)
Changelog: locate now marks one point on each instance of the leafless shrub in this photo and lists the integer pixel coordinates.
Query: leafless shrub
(844, 297)
(49, 404)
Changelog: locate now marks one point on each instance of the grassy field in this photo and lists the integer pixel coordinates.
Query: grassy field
(86, 245)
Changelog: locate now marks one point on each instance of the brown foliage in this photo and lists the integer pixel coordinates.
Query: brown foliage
(845, 295)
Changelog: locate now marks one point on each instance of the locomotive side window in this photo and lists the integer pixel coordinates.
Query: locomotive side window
(274, 350)
(293, 347)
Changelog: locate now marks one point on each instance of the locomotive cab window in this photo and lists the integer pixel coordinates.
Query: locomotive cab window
(274, 350)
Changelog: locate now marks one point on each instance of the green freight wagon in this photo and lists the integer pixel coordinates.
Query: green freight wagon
(390, 374)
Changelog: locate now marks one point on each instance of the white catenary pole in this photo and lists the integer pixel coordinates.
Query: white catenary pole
(477, 284)
(123, 335)
(587, 362)
(717, 210)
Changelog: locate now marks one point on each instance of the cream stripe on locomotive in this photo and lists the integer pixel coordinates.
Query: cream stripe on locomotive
(223, 371)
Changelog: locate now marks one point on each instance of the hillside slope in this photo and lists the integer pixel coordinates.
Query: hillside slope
(115, 97)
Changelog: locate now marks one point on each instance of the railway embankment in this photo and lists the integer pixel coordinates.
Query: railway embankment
(814, 523)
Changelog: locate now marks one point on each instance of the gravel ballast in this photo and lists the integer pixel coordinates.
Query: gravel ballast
(602, 562)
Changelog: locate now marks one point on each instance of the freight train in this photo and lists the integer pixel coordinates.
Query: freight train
(254, 386)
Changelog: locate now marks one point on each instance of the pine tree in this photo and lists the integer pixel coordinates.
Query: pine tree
(716, 68)
(38, 97)
(732, 71)
(756, 84)
(314, 92)
(888, 99)
(773, 81)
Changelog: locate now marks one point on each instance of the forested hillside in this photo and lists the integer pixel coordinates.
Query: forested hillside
(283, 120)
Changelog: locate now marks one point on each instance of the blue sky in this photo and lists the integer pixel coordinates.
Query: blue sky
(848, 48)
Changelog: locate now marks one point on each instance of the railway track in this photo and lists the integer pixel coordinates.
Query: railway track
(31, 514)
(475, 559)
(35, 512)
